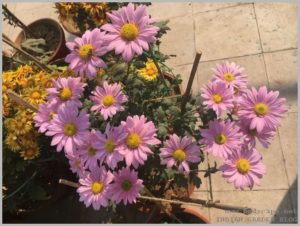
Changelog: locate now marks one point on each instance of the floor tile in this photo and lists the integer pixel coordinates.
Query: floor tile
(233, 32)
(268, 206)
(199, 7)
(282, 73)
(179, 41)
(288, 138)
(169, 10)
(277, 23)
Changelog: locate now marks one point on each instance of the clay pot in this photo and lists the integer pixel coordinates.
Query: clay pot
(60, 50)
(69, 25)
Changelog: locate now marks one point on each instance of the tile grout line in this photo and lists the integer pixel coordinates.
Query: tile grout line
(195, 48)
(234, 57)
(260, 41)
(212, 10)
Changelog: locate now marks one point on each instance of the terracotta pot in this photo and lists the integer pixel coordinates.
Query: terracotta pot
(61, 50)
(191, 215)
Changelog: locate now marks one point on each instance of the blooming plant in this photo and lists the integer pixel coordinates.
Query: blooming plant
(120, 122)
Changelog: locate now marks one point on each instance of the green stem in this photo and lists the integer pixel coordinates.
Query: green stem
(20, 188)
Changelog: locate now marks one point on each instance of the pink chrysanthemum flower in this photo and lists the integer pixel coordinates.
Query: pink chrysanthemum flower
(108, 99)
(179, 152)
(140, 135)
(66, 90)
(232, 74)
(130, 31)
(108, 144)
(217, 96)
(89, 152)
(69, 128)
(262, 108)
(126, 186)
(94, 188)
(44, 115)
(76, 165)
(85, 52)
(249, 134)
(243, 168)
(221, 138)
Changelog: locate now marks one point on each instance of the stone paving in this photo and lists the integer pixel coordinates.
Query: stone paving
(262, 38)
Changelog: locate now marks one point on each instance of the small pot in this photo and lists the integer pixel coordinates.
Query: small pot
(61, 50)
(189, 216)
(69, 25)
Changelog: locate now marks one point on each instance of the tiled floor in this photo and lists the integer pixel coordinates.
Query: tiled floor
(262, 38)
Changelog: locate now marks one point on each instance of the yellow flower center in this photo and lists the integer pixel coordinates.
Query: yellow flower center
(29, 153)
(77, 163)
(86, 51)
(91, 151)
(36, 95)
(109, 145)
(261, 109)
(70, 129)
(129, 31)
(243, 166)
(108, 100)
(253, 132)
(229, 77)
(133, 141)
(220, 138)
(65, 94)
(217, 98)
(150, 71)
(101, 72)
(97, 187)
(126, 185)
(179, 155)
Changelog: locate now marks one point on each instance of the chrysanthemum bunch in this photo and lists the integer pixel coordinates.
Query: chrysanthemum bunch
(119, 119)
(20, 135)
(251, 115)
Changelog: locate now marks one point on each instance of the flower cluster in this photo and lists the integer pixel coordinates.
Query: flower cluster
(258, 113)
(21, 136)
(128, 34)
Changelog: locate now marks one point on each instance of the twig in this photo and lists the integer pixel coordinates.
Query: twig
(190, 82)
(181, 201)
(30, 57)
(20, 188)
(21, 101)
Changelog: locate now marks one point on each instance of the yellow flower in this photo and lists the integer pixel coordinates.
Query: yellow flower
(35, 95)
(11, 141)
(24, 70)
(30, 150)
(18, 125)
(95, 8)
(149, 72)
(7, 81)
(6, 106)
(101, 72)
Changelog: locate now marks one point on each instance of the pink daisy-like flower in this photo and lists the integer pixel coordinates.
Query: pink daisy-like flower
(108, 144)
(108, 99)
(262, 108)
(89, 152)
(243, 168)
(85, 52)
(76, 165)
(44, 115)
(179, 151)
(232, 74)
(217, 96)
(69, 128)
(263, 136)
(126, 186)
(221, 138)
(140, 134)
(94, 188)
(130, 31)
(66, 90)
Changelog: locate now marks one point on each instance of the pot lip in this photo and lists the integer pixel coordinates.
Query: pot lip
(196, 213)
(46, 21)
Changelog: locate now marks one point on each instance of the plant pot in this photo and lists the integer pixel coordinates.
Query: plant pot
(189, 216)
(46, 27)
